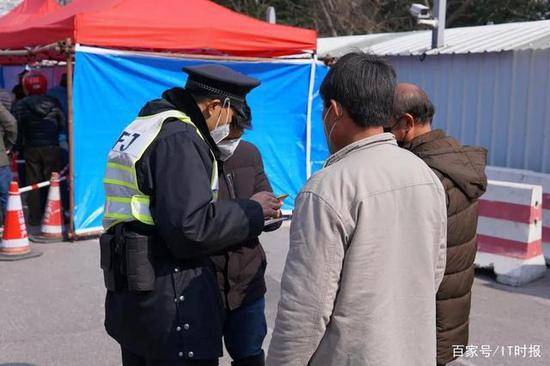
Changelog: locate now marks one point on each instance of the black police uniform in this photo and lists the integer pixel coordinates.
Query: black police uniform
(180, 320)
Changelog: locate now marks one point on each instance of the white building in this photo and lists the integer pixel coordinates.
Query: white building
(490, 84)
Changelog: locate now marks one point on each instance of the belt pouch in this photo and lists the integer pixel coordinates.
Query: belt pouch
(140, 271)
(107, 252)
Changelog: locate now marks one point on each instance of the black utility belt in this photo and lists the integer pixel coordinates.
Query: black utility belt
(130, 252)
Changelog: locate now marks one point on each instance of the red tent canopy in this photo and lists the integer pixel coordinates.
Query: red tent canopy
(27, 12)
(189, 26)
(195, 26)
(52, 27)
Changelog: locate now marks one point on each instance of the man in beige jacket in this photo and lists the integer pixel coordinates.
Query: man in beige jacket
(368, 239)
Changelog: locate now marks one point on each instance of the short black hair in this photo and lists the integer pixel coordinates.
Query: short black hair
(243, 120)
(415, 102)
(364, 85)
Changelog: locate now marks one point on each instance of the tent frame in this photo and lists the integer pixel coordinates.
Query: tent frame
(70, 178)
(309, 112)
(32, 51)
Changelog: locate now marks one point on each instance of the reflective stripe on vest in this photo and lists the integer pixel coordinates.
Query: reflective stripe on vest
(124, 201)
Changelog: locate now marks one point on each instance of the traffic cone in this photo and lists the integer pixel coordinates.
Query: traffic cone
(52, 224)
(15, 242)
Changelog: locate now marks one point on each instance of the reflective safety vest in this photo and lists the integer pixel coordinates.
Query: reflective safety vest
(124, 201)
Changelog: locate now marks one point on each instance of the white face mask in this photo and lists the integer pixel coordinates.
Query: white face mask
(227, 148)
(221, 132)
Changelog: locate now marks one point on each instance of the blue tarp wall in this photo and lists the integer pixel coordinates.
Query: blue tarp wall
(110, 89)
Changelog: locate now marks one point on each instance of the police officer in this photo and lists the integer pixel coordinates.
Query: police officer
(162, 220)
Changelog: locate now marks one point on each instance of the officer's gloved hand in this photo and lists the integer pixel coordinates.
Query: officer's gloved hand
(270, 204)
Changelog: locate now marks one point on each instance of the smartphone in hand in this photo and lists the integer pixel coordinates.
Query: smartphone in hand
(274, 221)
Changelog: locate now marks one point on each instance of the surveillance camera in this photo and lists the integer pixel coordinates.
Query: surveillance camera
(420, 11)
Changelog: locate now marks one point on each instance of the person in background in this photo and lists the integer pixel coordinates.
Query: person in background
(6, 98)
(461, 169)
(367, 240)
(40, 121)
(8, 129)
(18, 90)
(241, 271)
(60, 94)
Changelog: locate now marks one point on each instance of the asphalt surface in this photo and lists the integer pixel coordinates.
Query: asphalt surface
(51, 311)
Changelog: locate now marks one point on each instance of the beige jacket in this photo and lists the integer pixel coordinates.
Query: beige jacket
(367, 255)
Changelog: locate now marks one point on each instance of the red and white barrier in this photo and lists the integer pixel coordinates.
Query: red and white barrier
(529, 177)
(510, 232)
(36, 186)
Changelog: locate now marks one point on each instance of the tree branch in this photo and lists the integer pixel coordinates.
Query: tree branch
(458, 12)
(328, 18)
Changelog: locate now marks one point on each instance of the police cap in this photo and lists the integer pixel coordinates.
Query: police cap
(221, 81)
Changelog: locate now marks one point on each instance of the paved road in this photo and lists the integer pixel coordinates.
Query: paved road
(51, 310)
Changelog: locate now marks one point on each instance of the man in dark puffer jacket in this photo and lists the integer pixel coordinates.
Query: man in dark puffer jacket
(40, 122)
(462, 172)
(240, 271)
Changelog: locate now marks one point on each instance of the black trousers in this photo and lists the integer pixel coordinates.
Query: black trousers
(40, 162)
(131, 359)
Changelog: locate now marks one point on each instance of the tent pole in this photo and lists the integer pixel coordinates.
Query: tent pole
(31, 51)
(308, 115)
(70, 137)
(305, 57)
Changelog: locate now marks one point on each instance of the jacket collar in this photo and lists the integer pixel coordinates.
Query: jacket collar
(360, 145)
(418, 141)
(183, 101)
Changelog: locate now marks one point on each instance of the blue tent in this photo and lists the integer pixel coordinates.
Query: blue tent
(110, 87)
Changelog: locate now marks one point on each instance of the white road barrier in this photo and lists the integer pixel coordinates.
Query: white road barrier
(510, 232)
(529, 177)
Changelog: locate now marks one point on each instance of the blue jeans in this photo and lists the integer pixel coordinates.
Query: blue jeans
(245, 330)
(5, 180)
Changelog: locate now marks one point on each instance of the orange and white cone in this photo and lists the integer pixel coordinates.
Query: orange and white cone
(15, 242)
(52, 224)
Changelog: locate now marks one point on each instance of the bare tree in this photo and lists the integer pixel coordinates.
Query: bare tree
(347, 17)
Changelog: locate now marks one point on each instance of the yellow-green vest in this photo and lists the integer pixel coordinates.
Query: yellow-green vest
(124, 201)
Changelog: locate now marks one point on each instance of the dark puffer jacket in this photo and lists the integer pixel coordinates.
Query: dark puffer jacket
(462, 172)
(40, 120)
(241, 271)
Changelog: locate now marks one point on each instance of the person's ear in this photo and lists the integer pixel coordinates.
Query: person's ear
(407, 121)
(213, 107)
(337, 108)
